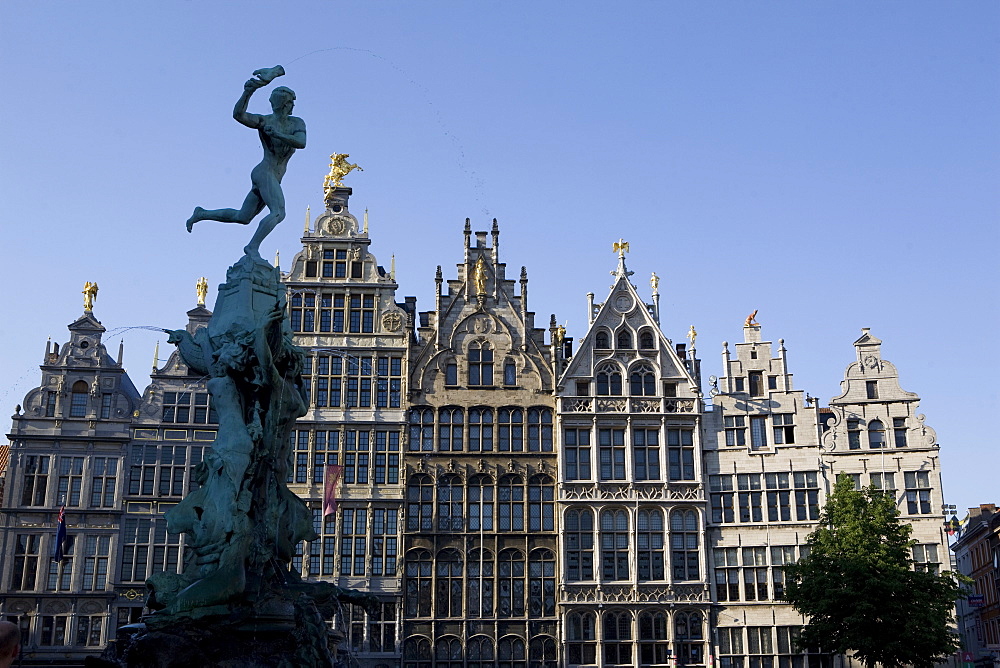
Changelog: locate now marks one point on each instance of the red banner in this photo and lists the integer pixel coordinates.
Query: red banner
(331, 482)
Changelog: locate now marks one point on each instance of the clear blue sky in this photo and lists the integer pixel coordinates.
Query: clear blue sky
(833, 164)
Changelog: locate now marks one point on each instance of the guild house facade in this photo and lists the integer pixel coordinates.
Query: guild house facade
(513, 500)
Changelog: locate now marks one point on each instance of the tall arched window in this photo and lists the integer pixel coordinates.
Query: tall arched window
(480, 503)
(581, 647)
(511, 584)
(448, 653)
(450, 430)
(539, 430)
(511, 502)
(480, 583)
(480, 364)
(511, 437)
(448, 594)
(450, 515)
(689, 638)
(510, 652)
(542, 652)
(642, 381)
(422, 429)
(614, 544)
(78, 401)
(684, 545)
(480, 652)
(579, 540)
(650, 547)
(542, 584)
(418, 583)
(617, 639)
(417, 653)
(609, 380)
(654, 650)
(876, 434)
(480, 429)
(541, 503)
(624, 339)
(602, 341)
(419, 503)
(646, 340)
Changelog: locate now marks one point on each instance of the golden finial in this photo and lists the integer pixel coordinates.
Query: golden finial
(201, 287)
(308, 221)
(692, 335)
(339, 168)
(89, 296)
(752, 320)
(620, 247)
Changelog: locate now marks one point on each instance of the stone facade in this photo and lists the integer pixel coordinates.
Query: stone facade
(511, 501)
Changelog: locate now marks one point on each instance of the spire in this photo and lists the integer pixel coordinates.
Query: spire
(392, 267)
(156, 357)
(365, 231)
(277, 259)
(308, 222)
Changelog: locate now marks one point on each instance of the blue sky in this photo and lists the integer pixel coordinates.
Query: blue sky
(833, 164)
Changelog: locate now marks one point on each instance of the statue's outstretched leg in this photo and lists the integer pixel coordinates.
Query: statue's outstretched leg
(270, 193)
(252, 205)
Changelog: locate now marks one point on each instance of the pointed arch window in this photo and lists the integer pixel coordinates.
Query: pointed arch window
(642, 381)
(417, 653)
(511, 501)
(480, 652)
(480, 364)
(418, 583)
(542, 584)
(511, 584)
(624, 339)
(448, 653)
(602, 341)
(580, 632)
(614, 545)
(421, 429)
(449, 591)
(419, 500)
(876, 434)
(480, 429)
(541, 503)
(654, 650)
(650, 545)
(480, 583)
(542, 652)
(450, 516)
(78, 400)
(609, 380)
(689, 638)
(511, 653)
(684, 545)
(481, 503)
(579, 540)
(646, 340)
(617, 639)
(539, 430)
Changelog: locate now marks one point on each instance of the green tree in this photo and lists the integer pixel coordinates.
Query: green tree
(860, 592)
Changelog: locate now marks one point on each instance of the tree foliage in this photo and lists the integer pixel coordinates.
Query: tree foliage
(859, 590)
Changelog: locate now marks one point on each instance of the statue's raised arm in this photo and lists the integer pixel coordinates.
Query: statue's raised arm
(280, 135)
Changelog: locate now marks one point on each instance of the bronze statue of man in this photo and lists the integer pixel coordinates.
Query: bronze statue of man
(280, 134)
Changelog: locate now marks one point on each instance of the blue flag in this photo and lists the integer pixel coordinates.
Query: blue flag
(57, 554)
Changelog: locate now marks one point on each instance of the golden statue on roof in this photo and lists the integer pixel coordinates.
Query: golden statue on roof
(339, 168)
(752, 320)
(201, 287)
(620, 247)
(89, 295)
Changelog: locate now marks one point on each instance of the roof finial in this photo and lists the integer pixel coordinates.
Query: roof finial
(277, 258)
(392, 267)
(156, 357)
(366, 221)
(621, 247)
(308, 221)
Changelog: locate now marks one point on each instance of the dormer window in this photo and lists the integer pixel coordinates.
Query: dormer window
(624, 339)
(480, 364)
(601, 340)
(78, 400)
(871, 389)
(646, 341)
